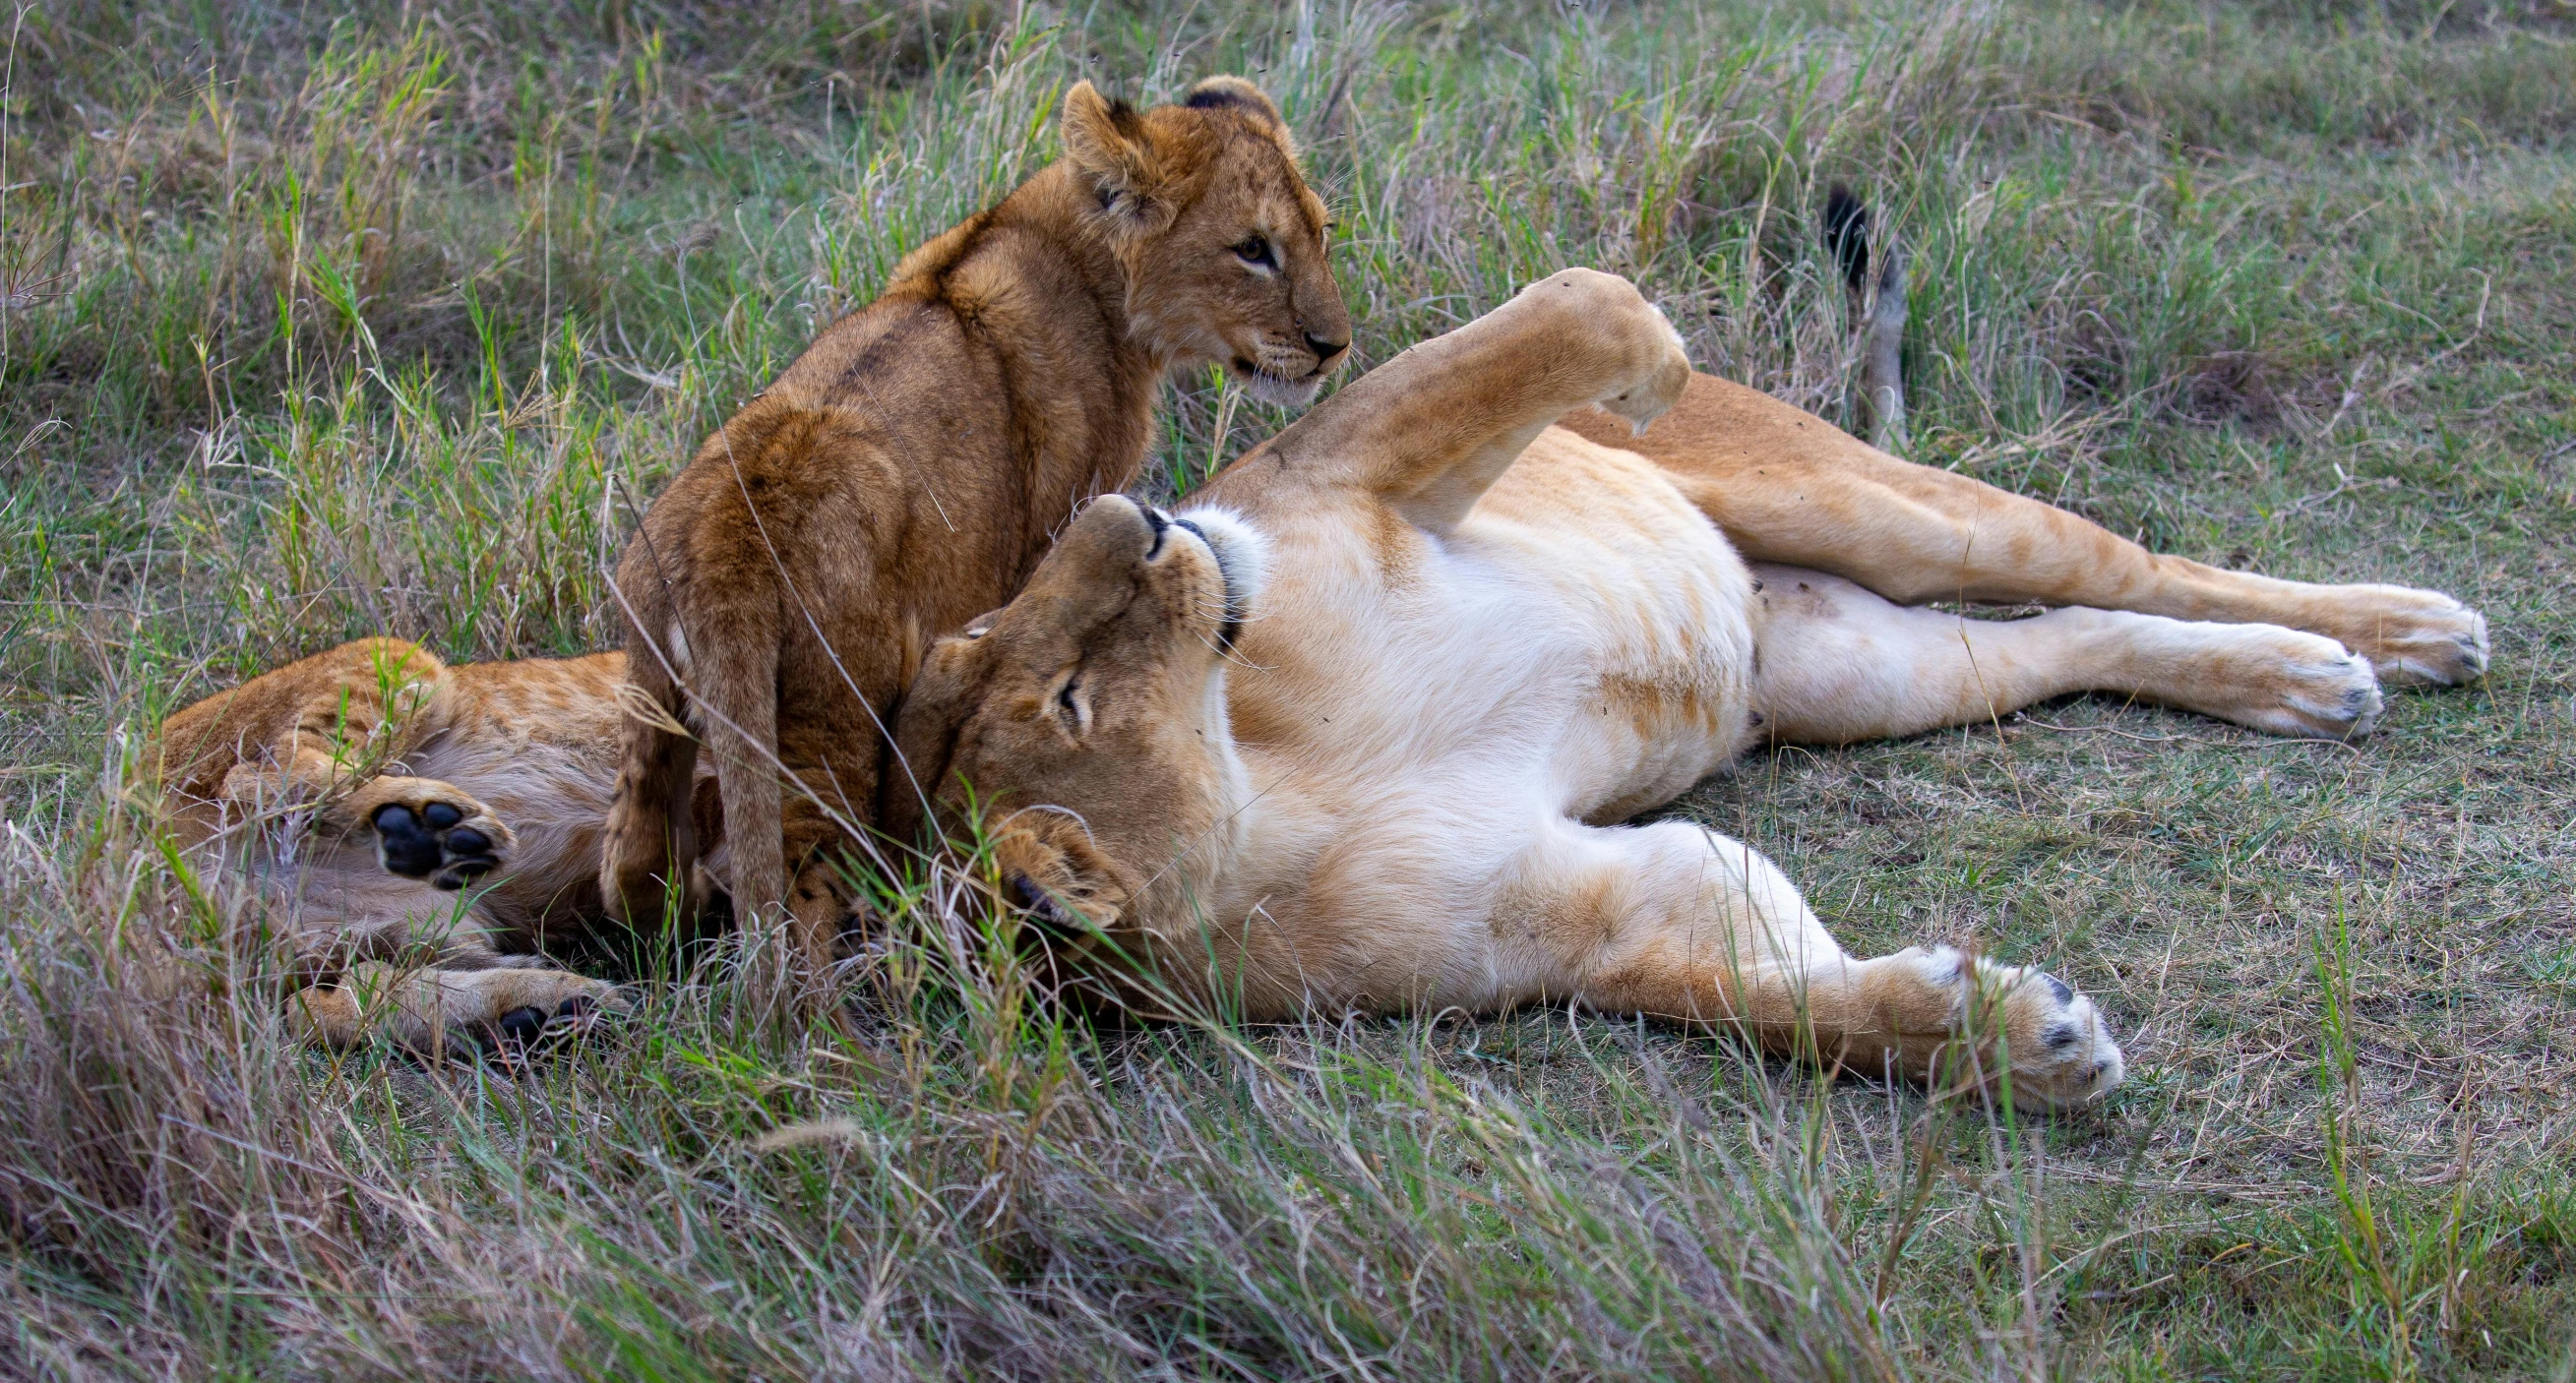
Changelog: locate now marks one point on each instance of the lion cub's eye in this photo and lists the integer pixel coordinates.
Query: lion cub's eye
(1255, 250)
(1067, 706)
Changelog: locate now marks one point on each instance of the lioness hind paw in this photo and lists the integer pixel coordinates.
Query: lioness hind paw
(437, 841)
(2446, 648)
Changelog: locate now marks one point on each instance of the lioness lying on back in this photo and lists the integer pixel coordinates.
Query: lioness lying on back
(1357, 728)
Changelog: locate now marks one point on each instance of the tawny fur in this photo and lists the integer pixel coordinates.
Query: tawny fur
(1472, 644)
(909, 469)
(283, 774)
(284, 777)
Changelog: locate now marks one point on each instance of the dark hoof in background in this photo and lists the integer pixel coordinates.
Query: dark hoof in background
(432, 844)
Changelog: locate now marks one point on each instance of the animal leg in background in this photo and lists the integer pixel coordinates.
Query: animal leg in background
(1788, 487)
(1840, 664)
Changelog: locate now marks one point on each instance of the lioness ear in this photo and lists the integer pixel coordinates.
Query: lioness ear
(1218, 92)
(1106, 144)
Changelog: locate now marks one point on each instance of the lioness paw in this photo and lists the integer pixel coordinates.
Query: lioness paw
(2413, 637)
(449, 842)
(2058, 1049)
(1613, 318)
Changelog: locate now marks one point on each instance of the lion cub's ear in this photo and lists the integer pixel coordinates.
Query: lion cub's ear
(1106, 144)
(1218, 92)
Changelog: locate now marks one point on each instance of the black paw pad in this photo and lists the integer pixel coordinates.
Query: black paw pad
(520, 1026)
(430, 844)
(578, 1006)
(407, 846)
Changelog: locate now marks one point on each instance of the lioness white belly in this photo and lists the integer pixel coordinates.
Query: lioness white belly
(1581, 645)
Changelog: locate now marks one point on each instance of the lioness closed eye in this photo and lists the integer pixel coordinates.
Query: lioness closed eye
(1356, 728)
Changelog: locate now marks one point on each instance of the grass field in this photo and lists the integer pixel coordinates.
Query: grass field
(313, 327)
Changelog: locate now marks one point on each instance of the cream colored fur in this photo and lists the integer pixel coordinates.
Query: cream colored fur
(1481, 645)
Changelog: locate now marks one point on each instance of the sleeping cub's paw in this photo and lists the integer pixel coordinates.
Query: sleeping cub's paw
(2413, 637)
(2061, 1052)
(435, 832)
(546, 1006)
(501, 1013)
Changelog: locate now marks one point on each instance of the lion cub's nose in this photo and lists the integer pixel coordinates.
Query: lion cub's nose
(1326, 350)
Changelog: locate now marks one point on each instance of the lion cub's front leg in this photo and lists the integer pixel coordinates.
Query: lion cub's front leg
(450, 1012)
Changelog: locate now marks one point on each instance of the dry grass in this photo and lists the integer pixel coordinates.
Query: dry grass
(310, 328)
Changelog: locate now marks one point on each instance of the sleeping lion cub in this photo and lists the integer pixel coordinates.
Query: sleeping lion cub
(1357, 728)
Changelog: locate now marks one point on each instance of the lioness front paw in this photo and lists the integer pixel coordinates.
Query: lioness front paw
(449, 843)
(2056, 1045)
(2414, 637)
(1653, 366)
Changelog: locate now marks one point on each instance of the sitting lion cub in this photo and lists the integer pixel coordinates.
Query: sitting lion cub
(907, 472)
(1358, 727)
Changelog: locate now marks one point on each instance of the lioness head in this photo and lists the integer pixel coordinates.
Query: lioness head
(1222, 240)
(1087, 718)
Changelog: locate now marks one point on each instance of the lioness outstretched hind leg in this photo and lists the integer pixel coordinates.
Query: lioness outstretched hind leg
(1786, 486)
(1678, 922)
(1836, 664)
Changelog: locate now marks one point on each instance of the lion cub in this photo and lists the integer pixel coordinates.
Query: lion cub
(907, 472)
(418, 831)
